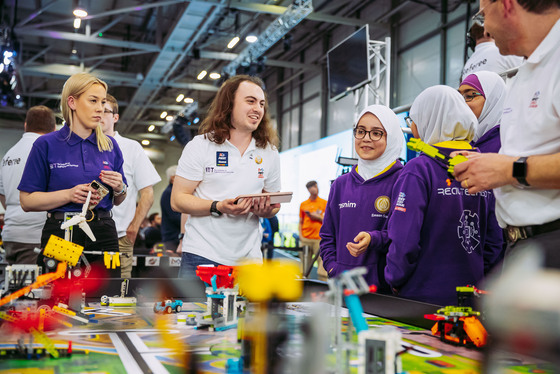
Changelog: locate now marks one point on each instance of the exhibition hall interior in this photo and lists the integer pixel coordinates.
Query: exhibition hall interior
(279, 186)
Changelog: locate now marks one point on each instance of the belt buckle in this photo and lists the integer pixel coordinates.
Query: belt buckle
(515, 233)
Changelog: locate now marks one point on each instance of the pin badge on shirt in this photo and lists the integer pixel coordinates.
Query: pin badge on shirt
(221, 158)
(258, 160)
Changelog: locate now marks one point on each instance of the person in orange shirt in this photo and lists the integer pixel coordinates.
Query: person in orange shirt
(311, 213)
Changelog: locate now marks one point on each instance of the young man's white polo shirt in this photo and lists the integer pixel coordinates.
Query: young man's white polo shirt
(487, 57)
(20, 226)
(224, 174)
(139, 173)
(531, 126)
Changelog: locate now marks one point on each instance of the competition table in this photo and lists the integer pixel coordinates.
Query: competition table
(131, 339)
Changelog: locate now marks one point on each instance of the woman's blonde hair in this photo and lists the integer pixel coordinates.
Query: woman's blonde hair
(75, 86)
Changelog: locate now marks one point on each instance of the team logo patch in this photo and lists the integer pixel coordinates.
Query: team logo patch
(400, 202)
(221, 158)
(535, 99)
(260, 172)
(258, 160)
(382, 204)
(106, 165)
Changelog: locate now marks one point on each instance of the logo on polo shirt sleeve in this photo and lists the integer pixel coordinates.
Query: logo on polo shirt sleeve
(221, 158)
(400, 202)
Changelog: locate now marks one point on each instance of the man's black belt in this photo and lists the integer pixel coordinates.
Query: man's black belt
(515, 233)
(90, 215)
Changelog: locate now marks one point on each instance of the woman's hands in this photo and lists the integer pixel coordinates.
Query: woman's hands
(78, 194)
(113, 179)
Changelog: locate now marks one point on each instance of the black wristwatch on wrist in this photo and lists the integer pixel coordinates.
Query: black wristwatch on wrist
(214, 209)
(520, 170)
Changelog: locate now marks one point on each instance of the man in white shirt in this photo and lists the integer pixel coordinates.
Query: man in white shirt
(526, 172)
(141, 177)
(22, 230)
(236, 155)
(486, 55)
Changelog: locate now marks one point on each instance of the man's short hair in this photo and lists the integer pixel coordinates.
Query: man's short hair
(152, 217)
(310, 184)
(40, 119)
(113, 103)
(538, 6)
(171, 171)
(476, 32)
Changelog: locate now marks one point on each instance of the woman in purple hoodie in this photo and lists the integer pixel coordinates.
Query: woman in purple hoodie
(441, 237)
(353, 232)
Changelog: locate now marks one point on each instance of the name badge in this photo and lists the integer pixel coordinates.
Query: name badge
(221, 159)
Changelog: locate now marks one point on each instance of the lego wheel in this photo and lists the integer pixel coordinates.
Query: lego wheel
(178, 308)
(51, 263)
(168, 309)
(77, 272)
(104, 299)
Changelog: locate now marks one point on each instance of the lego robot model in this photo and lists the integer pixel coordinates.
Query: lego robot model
(448, 162)
(460, 325)
(119, 301)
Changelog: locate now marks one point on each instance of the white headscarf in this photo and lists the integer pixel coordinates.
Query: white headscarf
(440, 113)
(494, 89)
(369, 168)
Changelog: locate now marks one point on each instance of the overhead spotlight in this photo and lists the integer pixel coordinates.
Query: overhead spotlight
(196, 120)
(215, 76)
(163, 114)
(179, 98)
(189, 100)
(233, 42)
(77, 23)
(251, 38)
(74, 51)
(169, 118)
(145, 142)
(171, 138)
(80, 10)
(201, 75)
(151, 128)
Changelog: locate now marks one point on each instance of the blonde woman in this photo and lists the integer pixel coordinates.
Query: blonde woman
(62, 165)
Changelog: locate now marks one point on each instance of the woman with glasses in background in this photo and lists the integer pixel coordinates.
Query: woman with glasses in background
(63, 165)
(440, 236)
(485, 93)
(353, 231)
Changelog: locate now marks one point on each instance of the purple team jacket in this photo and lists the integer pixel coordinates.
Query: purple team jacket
(441, 237)
(356, 205)
(490, 141)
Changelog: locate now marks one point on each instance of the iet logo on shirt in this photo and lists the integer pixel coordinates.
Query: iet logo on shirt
(221, 158)
(106, 165)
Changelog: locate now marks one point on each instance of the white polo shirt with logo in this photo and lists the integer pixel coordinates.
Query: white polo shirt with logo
(19, 226)
(531, 126)
(225, 174)
(487, 57)
(140, 173)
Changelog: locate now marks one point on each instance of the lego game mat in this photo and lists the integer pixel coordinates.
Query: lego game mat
(136, 340)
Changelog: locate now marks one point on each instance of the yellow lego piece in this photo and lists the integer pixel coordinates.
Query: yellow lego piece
(418, 145)
(273, 279)
(63, 250)
(47, 343)
(454, 161)
(116, 260)
(107, 259)
(65, 311)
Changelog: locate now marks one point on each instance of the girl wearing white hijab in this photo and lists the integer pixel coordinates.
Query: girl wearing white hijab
(485, 93)
(353, 232)
(441, 237)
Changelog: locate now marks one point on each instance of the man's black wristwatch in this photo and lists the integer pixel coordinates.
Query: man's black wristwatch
(214, 209)
(520, 170)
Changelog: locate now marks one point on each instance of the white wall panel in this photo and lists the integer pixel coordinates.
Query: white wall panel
(311, 122)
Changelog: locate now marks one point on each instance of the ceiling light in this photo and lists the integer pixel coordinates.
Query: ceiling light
(151, 128)
(196, 120)
(169, 118)
(189, 100)
(172, 138)
(251, 38)
(77, 23)
(180, 97)
(145, 142)
(215, 75)
(74, 51)
(201, 75)
(233, 42)
(163, 114)
(80, 12)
